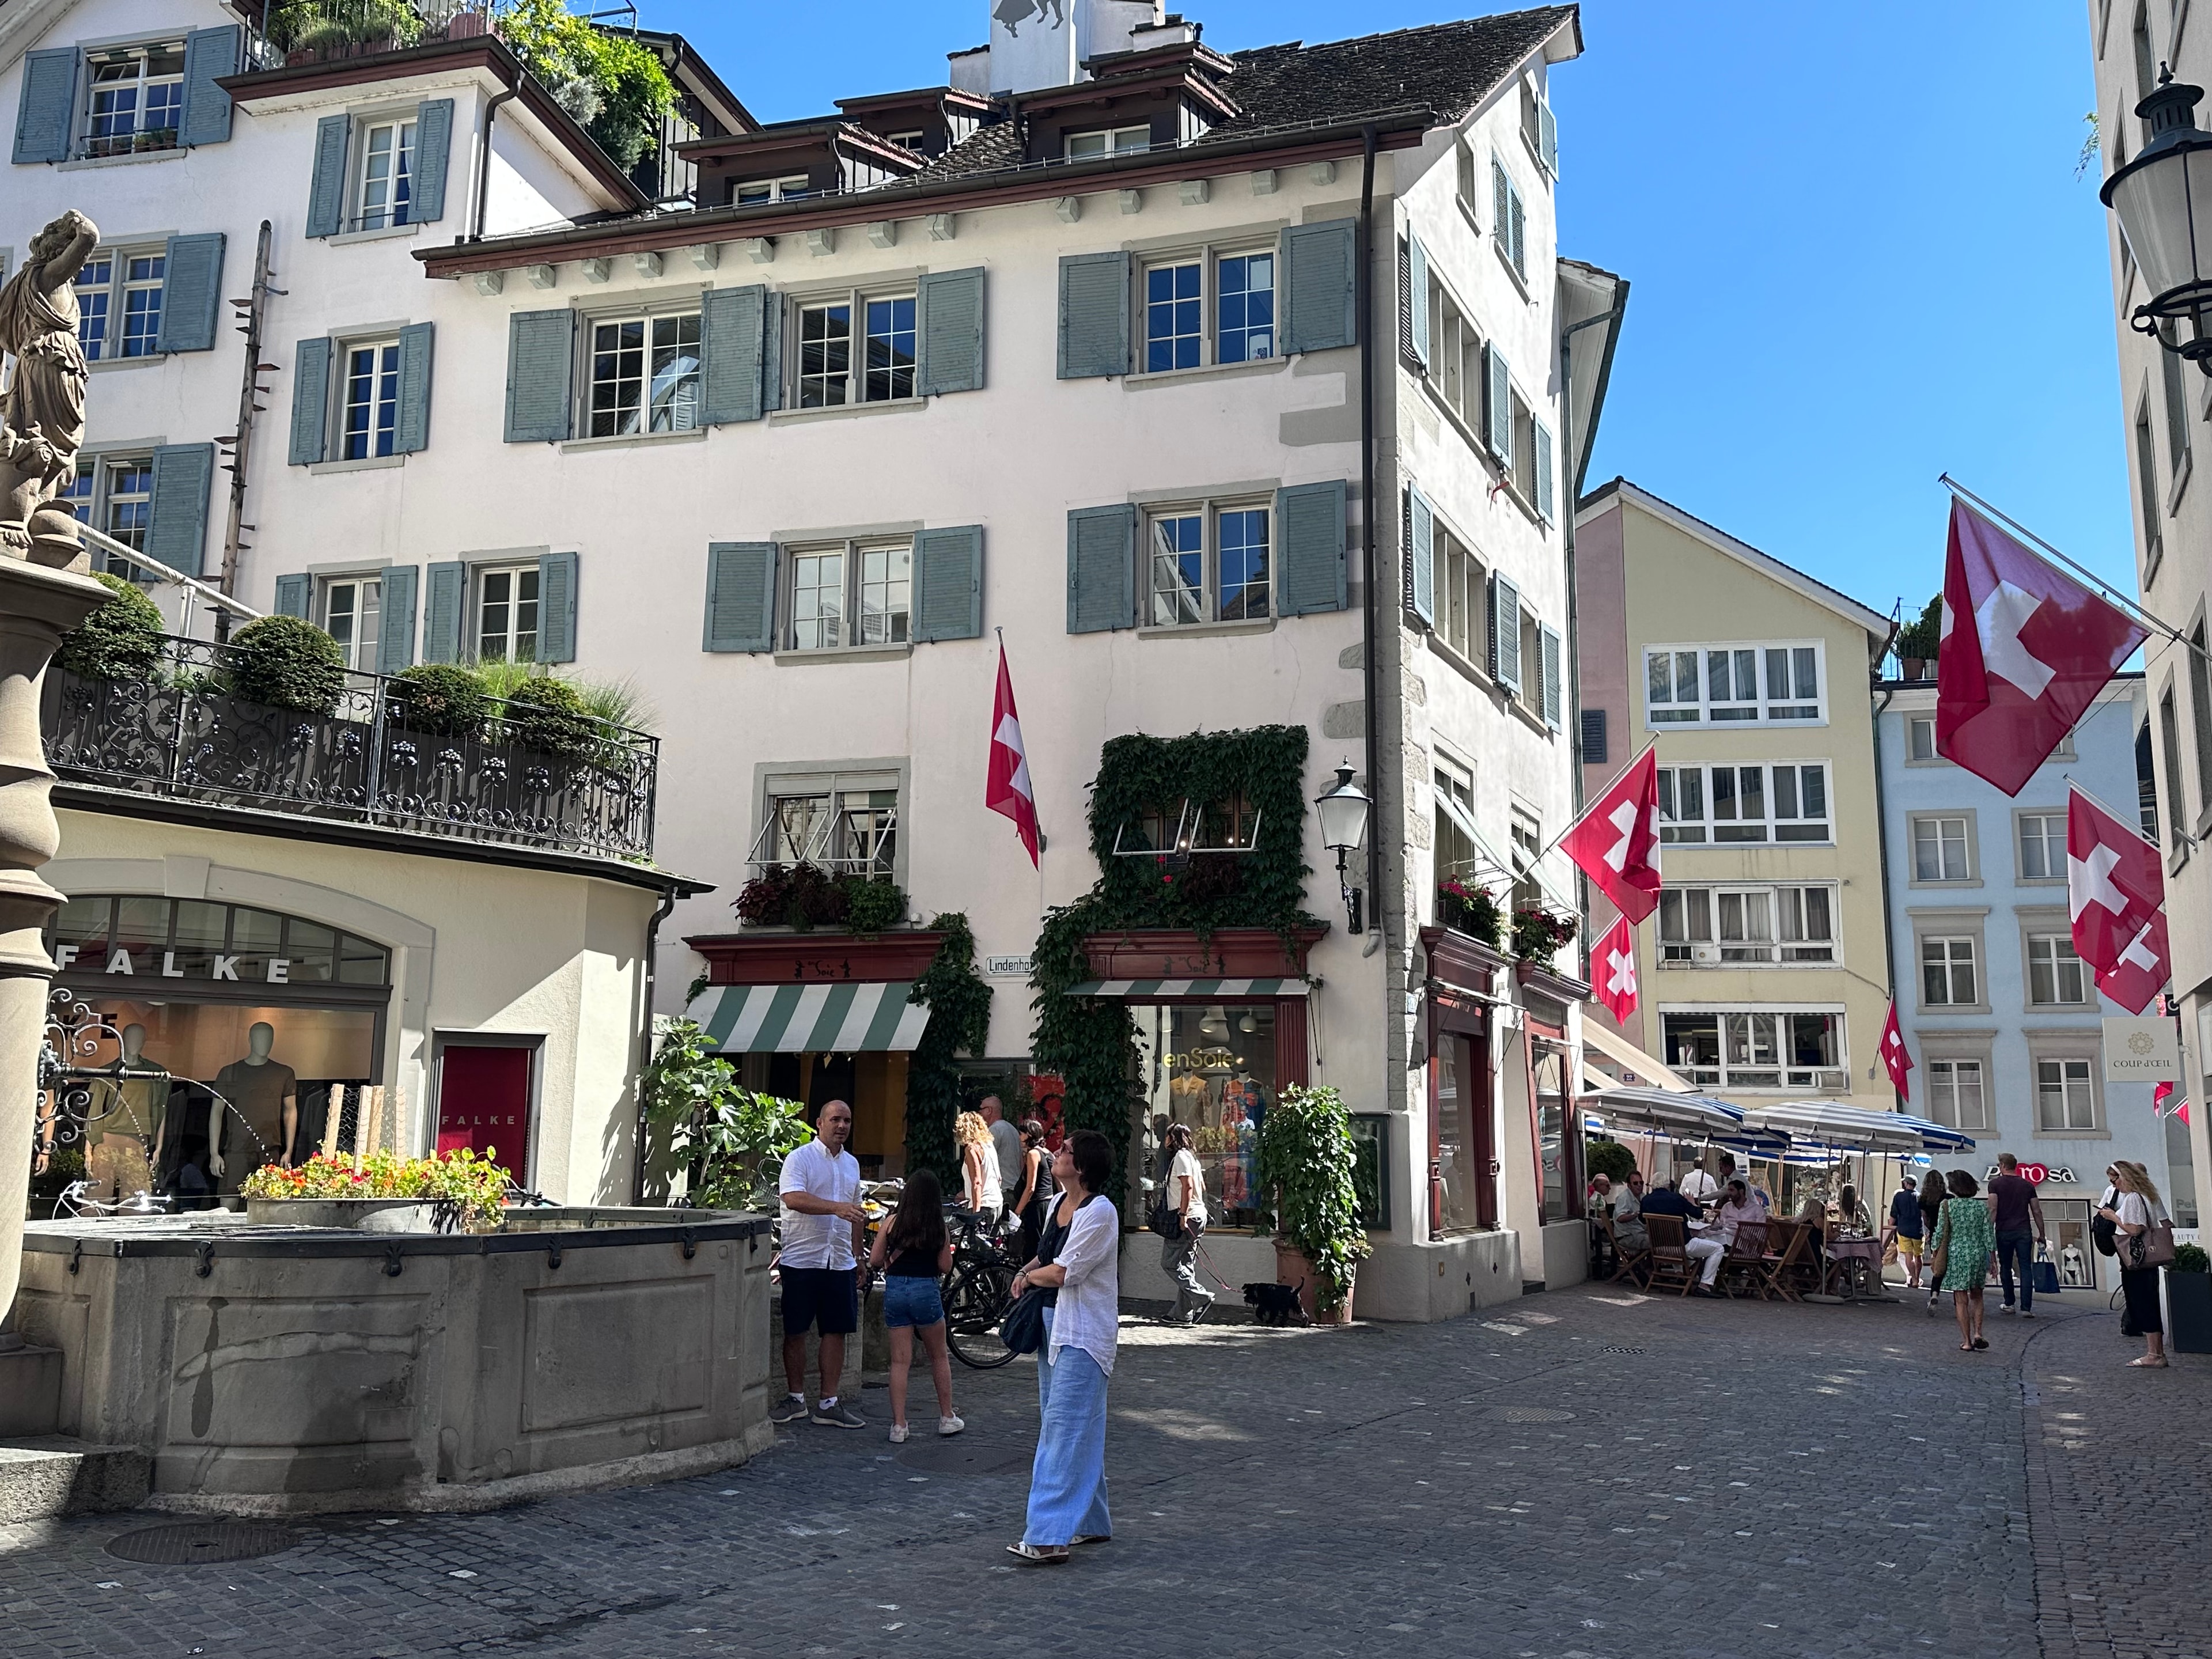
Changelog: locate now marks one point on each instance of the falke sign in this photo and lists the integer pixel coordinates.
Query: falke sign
(164, 964)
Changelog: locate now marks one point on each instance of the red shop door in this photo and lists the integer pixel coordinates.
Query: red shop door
(484, 1103)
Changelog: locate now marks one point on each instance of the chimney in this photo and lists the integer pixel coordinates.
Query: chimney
(1043, 42)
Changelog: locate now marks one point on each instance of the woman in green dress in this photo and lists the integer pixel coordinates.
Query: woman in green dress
(1964, 1235)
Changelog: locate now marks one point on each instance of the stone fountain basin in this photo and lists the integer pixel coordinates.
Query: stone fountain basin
(367, 1215)
(288, 1369)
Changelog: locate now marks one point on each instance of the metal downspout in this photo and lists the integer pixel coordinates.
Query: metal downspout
(1881, 838)
(484, 163)
(644, 1035)
(1574, 494)
(1369, 515)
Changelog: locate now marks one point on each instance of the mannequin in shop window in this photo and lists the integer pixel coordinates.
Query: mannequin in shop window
(128, 1119)
(264, 1095)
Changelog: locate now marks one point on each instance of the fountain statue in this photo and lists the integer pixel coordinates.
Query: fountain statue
(42, 415)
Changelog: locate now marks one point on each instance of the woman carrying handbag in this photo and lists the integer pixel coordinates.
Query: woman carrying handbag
(2144, 1237)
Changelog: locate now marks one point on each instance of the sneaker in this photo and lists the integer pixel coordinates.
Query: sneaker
(838, 1415)
(2006, 1310)
(898, 1434)
(789, 1409)
(951, 1425)
(1199, 1316)
(2028, 1313)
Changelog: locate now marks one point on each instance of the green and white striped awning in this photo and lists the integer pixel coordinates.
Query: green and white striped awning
(1221, 990)
(843, 1017)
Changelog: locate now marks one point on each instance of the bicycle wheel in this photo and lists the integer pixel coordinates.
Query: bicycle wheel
(976, 1302)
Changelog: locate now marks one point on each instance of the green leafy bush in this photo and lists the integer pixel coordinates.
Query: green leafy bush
(2190, 1259)
(1537, 935)
(285, 663)
(871, 906)
(547, 715)
(1307, 1159)
(121, 641)
(733, 1139)
(1608, 1157)
(1919, 638)
(303, 25)
(441, 700)
(613, 84)
(959, 1002)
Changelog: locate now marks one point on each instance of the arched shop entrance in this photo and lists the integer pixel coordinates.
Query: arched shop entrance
(269, 1012)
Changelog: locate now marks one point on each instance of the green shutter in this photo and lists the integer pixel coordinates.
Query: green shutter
(948, 583)
(442, 606)
(1548, 643)
(1501, 207)
(1544, 504)
(1548, 137)
(1498, 404)
(47, 101)
(326, 190)
(538, 348)
(209, 54)
(1317, 286)
(292, 597)
(433, 143)
(557, 607)
(1505, 633)
(733, 330)
(311, 394)
(1102, 568)
(1416, 275)
(395, 639)
(949, 329)
(772, 356)
(1520, 237)
(1094, 315)
(1421, 556)
(740, 596)
(416, 348)
(1309, 572)
(177, 514)
(191, 292)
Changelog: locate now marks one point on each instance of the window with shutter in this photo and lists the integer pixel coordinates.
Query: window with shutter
(1310, 529)
(209, 55)
(556, 608)
(1505, 633)
(1548, 137)
(445, 601)
(1519, 253)
(1421, 556)
(540, 345)
(191, 289)
(46, 107)
(1417, 310)
(948, 584)
(395, 642)
(741, 581)
(733, 330)
(1407, 350)
(311, 392)
(1317, 286)
(176, 528)
(1544, 505)
(952, 332)
(1102, 578)
(1548, 643)
(1596, 750)
(1094, 315)
(1498, 404)
(291, 597)
(327, 185)
(416, 350)
(433, 142)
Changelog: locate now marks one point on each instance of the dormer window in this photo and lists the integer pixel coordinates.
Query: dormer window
(1108, 141)
(137, 98)
(913, 141)
(758, 192)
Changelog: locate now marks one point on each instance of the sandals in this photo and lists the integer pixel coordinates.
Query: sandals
(2146, 1364)
(1039, 1555)
(1981, 1342)
(1094, 1538)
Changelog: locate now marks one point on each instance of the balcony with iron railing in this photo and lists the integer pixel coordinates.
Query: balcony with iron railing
(177, 729)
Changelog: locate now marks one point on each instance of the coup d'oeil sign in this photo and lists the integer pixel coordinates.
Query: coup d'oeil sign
(2145, 1050)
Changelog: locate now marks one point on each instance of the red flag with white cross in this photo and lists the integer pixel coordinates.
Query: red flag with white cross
(1894, 1056)
(2115, 881)
(1008, 789)
(2025, 649)
(2135, 981)
(1613, 970)
(1616, 840)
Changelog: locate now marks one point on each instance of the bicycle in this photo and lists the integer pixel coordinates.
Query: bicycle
(977, 1292)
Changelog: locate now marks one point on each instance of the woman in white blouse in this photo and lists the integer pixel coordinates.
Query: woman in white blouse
(1079, 1265)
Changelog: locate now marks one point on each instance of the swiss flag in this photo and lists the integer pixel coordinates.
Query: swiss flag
(1616, 840)
(2025, 649)
(2142, 970)
(1612, 966)
(1008, 789)
(2115, 882)
(1893, 1053)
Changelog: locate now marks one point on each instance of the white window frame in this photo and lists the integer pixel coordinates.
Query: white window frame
(2054, 849)
(1115, 140)
(853, 553)
(847, 837)
(1208, 510)
(913, 139)
(98, 505)
(855, 377)
(387, 348)
(2051, 950)
(1915, 727)
(1947, 1102)
(759, 192)
(2064, 1057)
(1676, 828)
(88, 144)
(113, 342)
(1455, 781)
(1832, 1078)
(1207, 256)
(519, 574)
(1690, 925)
(364, 594)
(1454, 369)
(390, 213)
(1950, 969)
(1513, 251)
(1660, 714)
(682, 413)
(1935, 830)
(1460, 588)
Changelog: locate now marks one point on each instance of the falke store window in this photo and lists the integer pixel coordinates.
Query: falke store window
(1213, 1067)
(231, 1026)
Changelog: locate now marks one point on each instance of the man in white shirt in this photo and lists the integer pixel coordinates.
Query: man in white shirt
(825, 1241)
(1006, 1142)
(1698, 1186)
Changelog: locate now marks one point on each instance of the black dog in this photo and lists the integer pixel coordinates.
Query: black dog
(1276, 1305)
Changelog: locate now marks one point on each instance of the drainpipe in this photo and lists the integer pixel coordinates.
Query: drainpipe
(1369, 514)
(484, 163)
(1882, 839)
(1574, 603)
(644, 1035)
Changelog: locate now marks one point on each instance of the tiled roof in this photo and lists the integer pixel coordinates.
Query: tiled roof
(1448, 67)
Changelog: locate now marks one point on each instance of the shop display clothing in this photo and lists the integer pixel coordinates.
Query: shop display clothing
(186, 1169)
(125, 1128)
(258, 1093)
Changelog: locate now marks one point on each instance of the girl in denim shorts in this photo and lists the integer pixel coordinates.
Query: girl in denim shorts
(915, 1251)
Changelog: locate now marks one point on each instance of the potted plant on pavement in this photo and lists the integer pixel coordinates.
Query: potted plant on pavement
(1307, 1161)
(2188, 1301)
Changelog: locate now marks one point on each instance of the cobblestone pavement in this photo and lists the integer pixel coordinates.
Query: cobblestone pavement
(1578, 1474)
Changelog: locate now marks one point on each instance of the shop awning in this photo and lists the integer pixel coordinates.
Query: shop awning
(1623, 1053)
(843, 1017)
(1222, 990)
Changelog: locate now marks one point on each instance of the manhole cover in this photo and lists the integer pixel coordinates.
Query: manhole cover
(1622, 1351)
(188, 1543)
(957, 1457)
(1534, 1414)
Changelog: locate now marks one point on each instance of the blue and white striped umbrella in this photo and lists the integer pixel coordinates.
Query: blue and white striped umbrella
(1833, 1123)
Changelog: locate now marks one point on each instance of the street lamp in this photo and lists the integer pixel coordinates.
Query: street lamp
(2163, 199)
(1343, 827)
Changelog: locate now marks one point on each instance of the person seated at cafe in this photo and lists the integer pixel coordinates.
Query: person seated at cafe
(1666, 1201)
(1813, 1216)
(1711, 1245)
(1628, 1214)
(1851, 1216)
(1606, 1199)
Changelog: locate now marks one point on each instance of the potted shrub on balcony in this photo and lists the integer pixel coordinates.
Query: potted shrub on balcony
(281, 662)
(1471, 910)
(2188, 1301)
(120, 640)
(1537, 936)
(1307, 1161)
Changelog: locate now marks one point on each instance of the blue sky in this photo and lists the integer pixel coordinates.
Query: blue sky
(1859, 252)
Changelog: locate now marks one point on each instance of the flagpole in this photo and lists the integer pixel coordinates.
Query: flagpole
(1553, 846)
(2107, 807)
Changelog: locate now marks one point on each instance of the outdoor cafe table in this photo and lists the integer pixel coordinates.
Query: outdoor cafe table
(1852, 1262)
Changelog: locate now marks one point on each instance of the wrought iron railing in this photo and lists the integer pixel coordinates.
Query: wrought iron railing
(179, 730)
(306, 31)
